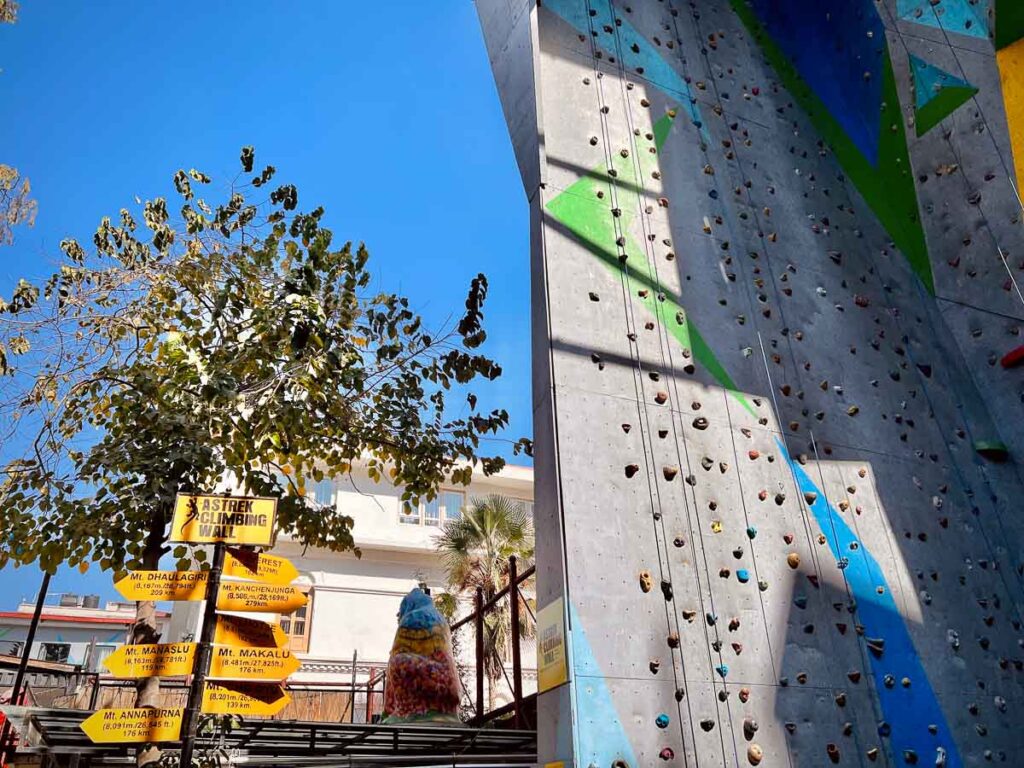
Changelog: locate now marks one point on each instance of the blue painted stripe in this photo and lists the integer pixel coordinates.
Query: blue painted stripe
(929, 80)
(656, 69)
(838, 47)
(908, 710)
(602, 738)
(958, 16)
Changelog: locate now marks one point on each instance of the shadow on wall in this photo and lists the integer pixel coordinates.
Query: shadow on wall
(853, 353)
(731, 250)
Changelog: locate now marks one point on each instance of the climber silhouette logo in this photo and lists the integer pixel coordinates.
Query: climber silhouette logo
(193, 513)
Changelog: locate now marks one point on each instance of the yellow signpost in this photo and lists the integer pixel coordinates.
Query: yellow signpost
(244, 596)
(163, 585)
(246, 699)
(152, 660)
(248, 633)
(233, 648)
(201, 519)
(136, 726)
(252, 663)
(270, 569)
(552, 670)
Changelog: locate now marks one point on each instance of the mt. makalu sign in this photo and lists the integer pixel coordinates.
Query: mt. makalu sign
(229, 519)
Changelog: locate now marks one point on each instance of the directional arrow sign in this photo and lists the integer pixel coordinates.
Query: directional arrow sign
(153, 660)
(245, 699)
(140, 726)
(250, 596)
(270, 569)
(248, 633)
(163, 585)
(252, 663)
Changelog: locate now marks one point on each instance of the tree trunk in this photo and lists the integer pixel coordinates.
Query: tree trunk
(144, 631)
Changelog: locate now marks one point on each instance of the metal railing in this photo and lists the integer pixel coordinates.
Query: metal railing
(517, 601)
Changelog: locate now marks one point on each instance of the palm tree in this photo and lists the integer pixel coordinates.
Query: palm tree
(476, 549)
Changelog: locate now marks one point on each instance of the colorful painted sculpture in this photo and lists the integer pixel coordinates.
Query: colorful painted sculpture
(422, 682)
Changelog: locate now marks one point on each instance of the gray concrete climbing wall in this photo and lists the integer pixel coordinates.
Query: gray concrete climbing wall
(776, 462)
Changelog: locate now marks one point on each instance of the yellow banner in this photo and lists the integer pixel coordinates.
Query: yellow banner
(245, 699)
(201, 519)
(252, 663)
(163, 585)
(248, 633)
(152, 660)
(269, 569)
(552, 669)
(245, 596)
(134, 726)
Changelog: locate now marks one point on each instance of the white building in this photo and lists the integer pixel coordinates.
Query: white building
(353, 601)
(73, 631)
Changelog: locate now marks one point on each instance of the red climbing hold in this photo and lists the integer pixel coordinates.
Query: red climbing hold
(1013, 358)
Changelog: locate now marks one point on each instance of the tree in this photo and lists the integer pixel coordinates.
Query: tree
(16, 206)
(476, 549)
(8, 11)
(236, 344)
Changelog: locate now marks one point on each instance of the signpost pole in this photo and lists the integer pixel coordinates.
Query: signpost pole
(201, 666)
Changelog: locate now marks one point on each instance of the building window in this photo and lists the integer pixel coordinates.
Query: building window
(296, 625)
(323, 492)
(453, 501)
(99, 653)
(432, 512)
(447, 506)
(55, 652)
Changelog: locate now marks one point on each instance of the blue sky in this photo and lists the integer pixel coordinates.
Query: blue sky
(384, 113)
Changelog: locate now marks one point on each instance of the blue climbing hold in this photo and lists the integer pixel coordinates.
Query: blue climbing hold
(722, 670)
(743, 575)
(751, 532)
(662, 720)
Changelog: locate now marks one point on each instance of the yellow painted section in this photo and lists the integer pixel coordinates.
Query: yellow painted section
(422, 642)
(133, 726)
(1011, 73)
(163, 585)
(203, 519)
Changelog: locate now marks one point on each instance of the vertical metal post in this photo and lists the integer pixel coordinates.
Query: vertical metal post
(6, 734)
(517, 665)
(478, 621)
(94, 694)
(26, 652)
(369, 694)
(355, 657)
(201, 665)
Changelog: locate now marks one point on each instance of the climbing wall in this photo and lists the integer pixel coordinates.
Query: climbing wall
(776, 443)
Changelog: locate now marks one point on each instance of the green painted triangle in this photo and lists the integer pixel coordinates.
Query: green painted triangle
(937, 94)
(888, 187)
(590, 223)
(943, 105)
(1009, 22)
